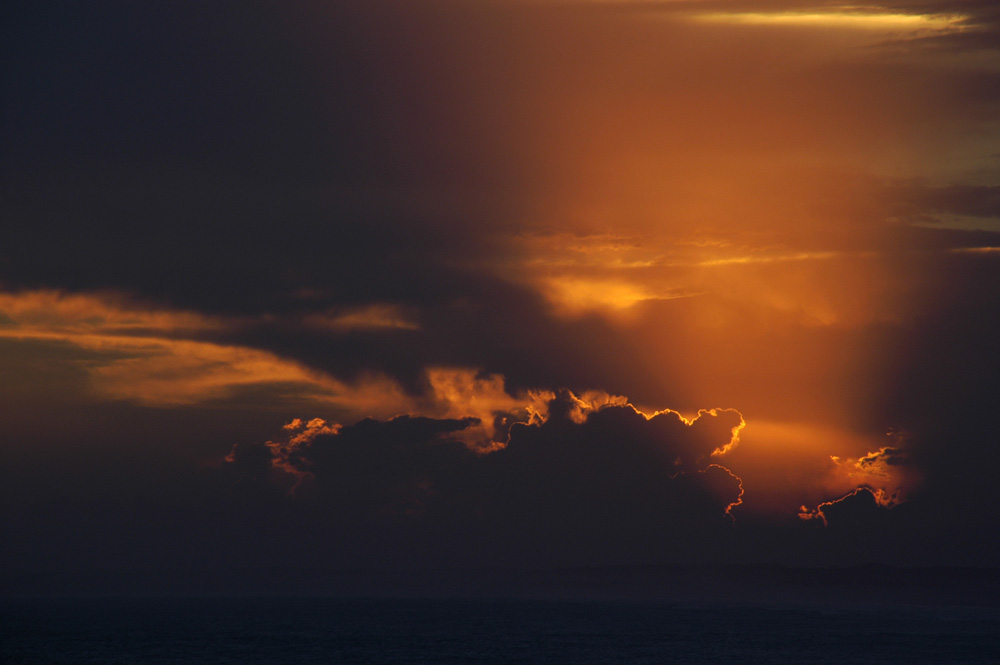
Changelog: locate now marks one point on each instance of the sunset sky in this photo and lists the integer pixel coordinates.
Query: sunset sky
(465, 283)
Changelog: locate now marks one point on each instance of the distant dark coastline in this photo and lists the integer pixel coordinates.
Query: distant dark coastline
(728, 584)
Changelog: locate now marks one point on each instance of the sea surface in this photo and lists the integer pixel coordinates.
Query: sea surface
(319, 630)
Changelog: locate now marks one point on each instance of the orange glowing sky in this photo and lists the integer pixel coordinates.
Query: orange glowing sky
(498, 215)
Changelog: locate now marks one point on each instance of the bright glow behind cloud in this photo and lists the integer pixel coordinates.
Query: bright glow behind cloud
(846, 18)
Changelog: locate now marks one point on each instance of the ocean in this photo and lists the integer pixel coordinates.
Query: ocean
(320, 630)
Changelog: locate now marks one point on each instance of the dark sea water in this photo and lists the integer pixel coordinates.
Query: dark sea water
(310, 630)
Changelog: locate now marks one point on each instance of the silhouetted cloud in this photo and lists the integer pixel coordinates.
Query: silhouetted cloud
(587, 484)
(860, 509)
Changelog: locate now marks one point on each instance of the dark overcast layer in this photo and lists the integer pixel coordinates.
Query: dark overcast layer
(498, 284)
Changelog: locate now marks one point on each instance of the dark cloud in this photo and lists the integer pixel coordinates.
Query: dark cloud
(887, 456)
(972, 200)
(860, 527)
(610, 486)
(982, 24)
(613, 487)
(663, 441)
(253, 461)
(376, 468)
(859, 509)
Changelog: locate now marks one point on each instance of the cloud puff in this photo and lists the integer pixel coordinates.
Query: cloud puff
(884, 479)
(584, 483)
(864, 507)
(890, 468)
(883, 458)
(674, 442)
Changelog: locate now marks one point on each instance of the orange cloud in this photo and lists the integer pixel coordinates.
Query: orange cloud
(590, 401)
(888, 472)
(785, 465)
(458, 392)
(157, 357)
(300, 434)
(154, 357)
(166, 372)
(49, 312)
(848, 18)
(622, 278)
(379, 316)
(575, 295)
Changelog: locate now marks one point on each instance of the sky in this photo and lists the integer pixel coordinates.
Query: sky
(457, 285)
